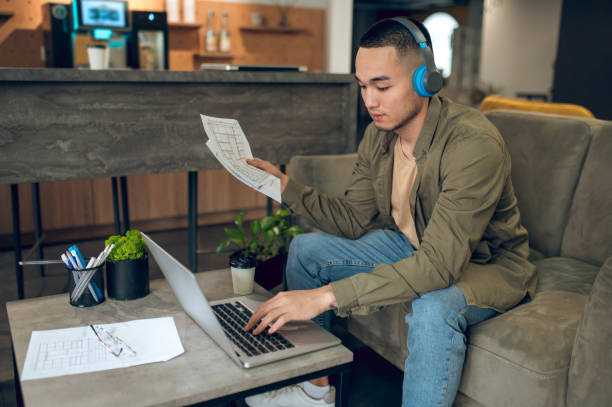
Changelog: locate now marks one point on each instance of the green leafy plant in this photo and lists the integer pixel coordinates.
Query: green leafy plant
(264, 238)
(128, 247)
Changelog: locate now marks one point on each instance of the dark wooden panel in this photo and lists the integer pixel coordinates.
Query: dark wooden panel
(58, 130)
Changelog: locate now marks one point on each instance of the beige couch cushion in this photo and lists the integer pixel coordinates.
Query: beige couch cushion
(544, 200)
(521, 358)
(565, 274)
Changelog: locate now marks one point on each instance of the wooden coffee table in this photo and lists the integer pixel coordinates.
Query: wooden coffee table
(203, 374)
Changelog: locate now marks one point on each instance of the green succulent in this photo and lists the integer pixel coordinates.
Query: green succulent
(264, 238)
(128, 247)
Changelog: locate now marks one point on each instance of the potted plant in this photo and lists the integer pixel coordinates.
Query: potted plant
(265, 239)
(127, 267)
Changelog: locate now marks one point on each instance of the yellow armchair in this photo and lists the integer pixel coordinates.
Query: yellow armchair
(496, 102)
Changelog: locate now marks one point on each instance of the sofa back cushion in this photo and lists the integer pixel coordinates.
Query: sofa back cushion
(588, 235)
(329, 174)
(547, 153)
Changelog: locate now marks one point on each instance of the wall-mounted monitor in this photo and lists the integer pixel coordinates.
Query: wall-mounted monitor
(112, 14)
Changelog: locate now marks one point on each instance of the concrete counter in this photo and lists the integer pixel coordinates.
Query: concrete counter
(61, 124)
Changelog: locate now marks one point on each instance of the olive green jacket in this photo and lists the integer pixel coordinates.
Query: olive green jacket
(464, 208)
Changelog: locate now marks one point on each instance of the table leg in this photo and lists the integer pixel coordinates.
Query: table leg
(342, 380)
(17, 239)
(38, 224)
(18, 394)
(124, 204)
(116, 206)
(192, 219)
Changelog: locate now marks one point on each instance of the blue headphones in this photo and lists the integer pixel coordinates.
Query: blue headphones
(427, 79)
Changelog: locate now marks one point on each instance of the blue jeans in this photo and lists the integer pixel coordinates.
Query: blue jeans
(439, 319)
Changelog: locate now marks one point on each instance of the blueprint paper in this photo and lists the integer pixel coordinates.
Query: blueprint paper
(228, 143)
(60, 352)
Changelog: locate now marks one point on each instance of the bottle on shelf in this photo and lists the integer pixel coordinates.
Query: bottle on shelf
(172, 11)
(189, 11)
(211, 38)
(224, 38)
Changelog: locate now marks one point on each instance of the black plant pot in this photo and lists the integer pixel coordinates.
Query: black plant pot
(128, 279)
(269, 273)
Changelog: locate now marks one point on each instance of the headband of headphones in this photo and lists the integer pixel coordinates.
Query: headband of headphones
(427, 79)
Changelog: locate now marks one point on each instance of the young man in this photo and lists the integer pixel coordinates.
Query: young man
(430, 216)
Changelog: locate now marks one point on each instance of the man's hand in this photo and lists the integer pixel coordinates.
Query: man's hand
(298, 305)
(270, 169)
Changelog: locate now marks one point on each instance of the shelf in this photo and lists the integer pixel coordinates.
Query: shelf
(274, 30)
(185, 25)
(213, 55)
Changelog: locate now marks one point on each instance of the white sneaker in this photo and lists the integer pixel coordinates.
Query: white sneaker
(291, 396)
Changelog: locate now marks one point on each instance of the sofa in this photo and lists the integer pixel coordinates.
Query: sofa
(556, 349)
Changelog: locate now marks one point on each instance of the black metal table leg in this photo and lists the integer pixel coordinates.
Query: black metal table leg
(342, 381)
(38, 225)
(18, 393)
(17, 239)
(192, 219)
(116, 206)
(124, 204)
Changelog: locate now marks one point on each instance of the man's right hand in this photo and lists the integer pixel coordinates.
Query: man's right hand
(270, 169)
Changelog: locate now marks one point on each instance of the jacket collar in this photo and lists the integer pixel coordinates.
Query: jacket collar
(429, 128)
(427, 132)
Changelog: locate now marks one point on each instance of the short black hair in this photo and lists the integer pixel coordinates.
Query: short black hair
(391, 33)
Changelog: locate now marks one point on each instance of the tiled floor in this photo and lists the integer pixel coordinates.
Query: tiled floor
(373, 381)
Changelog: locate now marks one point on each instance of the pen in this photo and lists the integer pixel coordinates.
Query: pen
(78, 291)
(71, 263)
(66, 261)
(39, 262)
(77, 256)
(80, 261)
(91, 284)
(75, 275)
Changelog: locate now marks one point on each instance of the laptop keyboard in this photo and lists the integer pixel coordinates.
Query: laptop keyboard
(233, 318)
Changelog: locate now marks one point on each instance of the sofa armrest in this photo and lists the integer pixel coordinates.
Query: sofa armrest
(590, 373)
(328, 174)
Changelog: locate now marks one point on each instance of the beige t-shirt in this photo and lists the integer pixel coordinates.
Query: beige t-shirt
(404, 174)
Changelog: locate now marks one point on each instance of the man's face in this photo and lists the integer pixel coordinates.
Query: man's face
(386, 86)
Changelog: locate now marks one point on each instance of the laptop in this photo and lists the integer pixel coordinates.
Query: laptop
(223, 320)
(265, 68)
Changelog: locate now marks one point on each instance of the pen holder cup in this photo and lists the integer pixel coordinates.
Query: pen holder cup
(128, 279)
(96, 285)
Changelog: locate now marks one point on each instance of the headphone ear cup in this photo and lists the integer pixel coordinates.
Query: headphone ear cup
(433, 82)
(418, 81)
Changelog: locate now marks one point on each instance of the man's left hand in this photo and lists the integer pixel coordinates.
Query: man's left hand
(298, 305)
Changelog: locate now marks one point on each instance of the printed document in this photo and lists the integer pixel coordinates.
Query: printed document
(227, 142)
(60, 352)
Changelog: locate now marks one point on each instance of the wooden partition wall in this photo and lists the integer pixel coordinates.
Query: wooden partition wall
(160, 200)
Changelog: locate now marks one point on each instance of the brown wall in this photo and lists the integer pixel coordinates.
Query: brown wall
(161, 199)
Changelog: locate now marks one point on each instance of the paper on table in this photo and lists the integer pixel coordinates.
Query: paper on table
(60, 352)
(228, 143)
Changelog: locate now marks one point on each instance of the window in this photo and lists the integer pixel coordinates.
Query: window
(441, 26)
